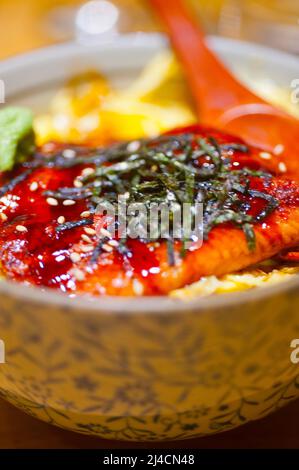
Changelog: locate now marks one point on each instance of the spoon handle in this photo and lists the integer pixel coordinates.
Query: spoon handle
(214, 88)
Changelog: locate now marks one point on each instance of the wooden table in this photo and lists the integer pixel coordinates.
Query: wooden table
(18, 430)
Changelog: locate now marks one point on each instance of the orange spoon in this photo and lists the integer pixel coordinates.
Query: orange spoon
(221, 100)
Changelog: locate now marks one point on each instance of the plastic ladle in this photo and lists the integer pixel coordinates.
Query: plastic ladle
(221, 100)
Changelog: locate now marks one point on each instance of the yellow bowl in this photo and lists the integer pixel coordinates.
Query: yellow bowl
(151, 368)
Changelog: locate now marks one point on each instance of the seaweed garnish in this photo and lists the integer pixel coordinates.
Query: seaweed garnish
(161, 170)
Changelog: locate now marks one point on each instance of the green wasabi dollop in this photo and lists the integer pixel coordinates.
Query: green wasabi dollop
(17, 140)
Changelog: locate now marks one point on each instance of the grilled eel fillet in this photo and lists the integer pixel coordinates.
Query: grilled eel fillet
(34, 252)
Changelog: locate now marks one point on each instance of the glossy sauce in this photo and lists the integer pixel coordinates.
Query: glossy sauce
(39, 255)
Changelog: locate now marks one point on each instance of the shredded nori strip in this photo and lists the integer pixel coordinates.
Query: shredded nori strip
(273, 203)
(14, 182)
(161, 170)
(235, 147)
(74, 224)
(98, 250)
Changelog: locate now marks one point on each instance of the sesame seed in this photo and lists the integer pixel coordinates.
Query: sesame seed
(21, 228)
(282, 167)
(137, 287)
(75, 257)
(279, 149)
(113, 243)
(69, 153)
(61, 219)
(265, 155)
(78, 183)
(85, 214)
(49, 147)
(117, 282)
(88, 171)
(105, 233)
(86, 238)
(68, 202)
(87, 248)
(52, 201)
(78, 274)
(33, 186)
(89, 231)
(107, 248)
(133, 146)
(3, 217)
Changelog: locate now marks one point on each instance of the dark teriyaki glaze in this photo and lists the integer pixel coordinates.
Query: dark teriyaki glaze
(48, 204)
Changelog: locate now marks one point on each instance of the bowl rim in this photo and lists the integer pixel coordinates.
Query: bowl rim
(143, 39)
(150, 304)
(164, 305)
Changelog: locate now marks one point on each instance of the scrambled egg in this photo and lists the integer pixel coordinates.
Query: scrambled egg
(90, 110)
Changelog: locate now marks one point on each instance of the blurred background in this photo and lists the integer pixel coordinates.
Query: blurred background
(29, 24)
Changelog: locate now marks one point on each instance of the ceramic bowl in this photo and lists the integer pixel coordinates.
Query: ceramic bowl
(151, 368)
